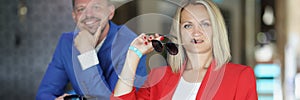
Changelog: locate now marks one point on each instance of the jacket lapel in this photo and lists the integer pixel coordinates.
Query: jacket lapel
(203, 84)
(170, 85)
(211, 83)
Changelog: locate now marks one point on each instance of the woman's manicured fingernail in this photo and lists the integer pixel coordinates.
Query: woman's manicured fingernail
(161, 38)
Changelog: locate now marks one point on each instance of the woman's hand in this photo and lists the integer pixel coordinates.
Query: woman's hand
(143, 43)
(127, 76)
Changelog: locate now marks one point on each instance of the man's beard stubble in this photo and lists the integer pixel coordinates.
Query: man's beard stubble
(90, 29)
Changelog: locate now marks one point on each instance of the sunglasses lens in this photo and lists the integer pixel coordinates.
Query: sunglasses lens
(172, 48)
(158, 47)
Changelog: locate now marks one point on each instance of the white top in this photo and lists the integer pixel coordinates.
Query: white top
(186, 90)
(89, 59)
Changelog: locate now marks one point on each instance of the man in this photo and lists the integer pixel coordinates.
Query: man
(91, 57)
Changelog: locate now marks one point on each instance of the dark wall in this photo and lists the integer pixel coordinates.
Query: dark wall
(26, 47)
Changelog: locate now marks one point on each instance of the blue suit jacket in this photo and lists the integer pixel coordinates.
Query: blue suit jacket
(96, 82)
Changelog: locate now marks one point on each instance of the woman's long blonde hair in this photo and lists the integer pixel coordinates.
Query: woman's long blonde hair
(221, 50)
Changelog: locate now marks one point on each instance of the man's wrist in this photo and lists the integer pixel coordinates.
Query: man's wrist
(85, 49)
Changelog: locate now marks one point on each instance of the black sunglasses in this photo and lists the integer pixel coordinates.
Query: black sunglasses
(170, 46)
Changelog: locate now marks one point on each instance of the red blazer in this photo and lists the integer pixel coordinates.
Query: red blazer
(232, 82)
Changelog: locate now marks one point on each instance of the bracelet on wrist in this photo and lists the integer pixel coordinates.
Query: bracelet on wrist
(126, 79)
(136, 51)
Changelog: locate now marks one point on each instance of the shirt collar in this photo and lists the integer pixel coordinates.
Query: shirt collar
(100, 44)
(111, 31)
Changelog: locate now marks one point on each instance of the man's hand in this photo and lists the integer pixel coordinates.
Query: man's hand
(85, 41)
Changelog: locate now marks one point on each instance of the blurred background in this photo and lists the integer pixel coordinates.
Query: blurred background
(263, 34)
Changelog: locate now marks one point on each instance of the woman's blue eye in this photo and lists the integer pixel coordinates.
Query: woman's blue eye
(205, 24)
(187, 26)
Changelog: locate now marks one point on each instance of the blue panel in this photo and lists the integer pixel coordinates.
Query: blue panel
(265, 98)
(265, 86)
(267, 70)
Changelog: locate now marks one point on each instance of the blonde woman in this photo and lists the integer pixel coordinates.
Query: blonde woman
(200, 69)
